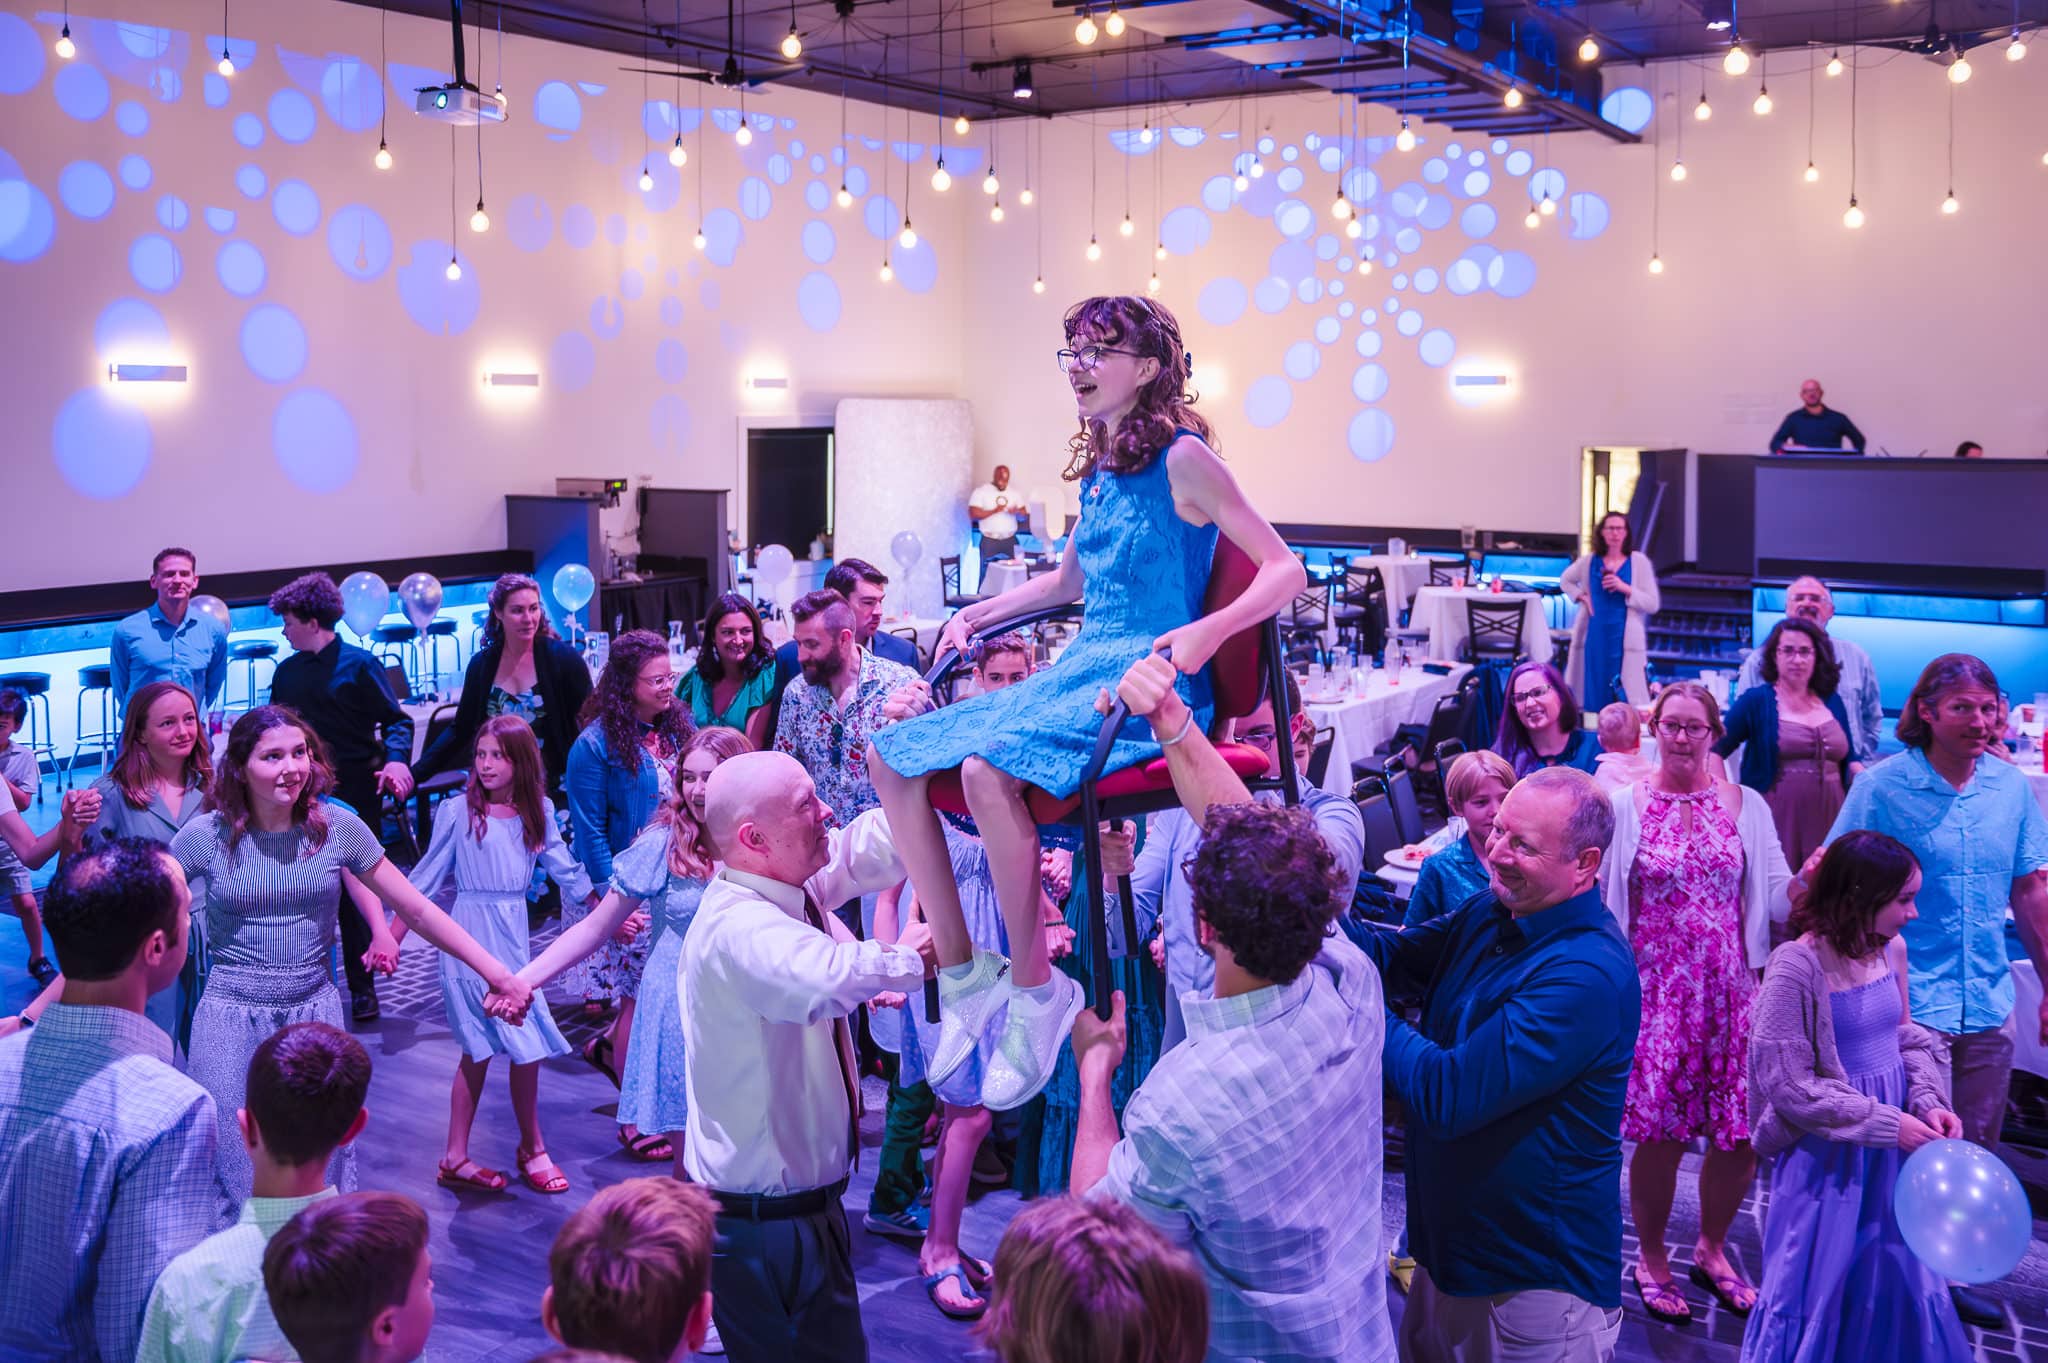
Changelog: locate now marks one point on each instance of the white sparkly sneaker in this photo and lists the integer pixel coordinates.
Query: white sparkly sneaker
(1032, 1035)
(965, 1006)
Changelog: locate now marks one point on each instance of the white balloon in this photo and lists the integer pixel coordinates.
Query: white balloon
(907, 548)
(212, 606)
(772, 565)
(419, 596)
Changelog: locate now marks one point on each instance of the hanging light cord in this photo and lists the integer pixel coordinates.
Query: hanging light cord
(383, 63)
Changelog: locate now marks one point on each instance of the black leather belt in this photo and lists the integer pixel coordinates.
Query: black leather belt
(778, 1206)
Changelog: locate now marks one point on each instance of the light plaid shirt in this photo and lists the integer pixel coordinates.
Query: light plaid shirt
(1256, 1142)
(106, 1175)
(209, 1306)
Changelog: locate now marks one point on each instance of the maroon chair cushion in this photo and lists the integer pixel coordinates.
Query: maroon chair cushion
(1147, 778)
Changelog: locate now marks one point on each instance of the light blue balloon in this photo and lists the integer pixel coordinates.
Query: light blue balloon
(1962, 1211)
(574, 586)
(906, 548)
(364, 599)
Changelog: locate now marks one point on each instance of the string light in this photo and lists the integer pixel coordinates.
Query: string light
(1702, 111)
(995, 211)
(1513, 97)
(1114, 24)
(382, 160)
(479, 221)
(1959, 69)
(942, 179)
(1341, 209)
(989, 183)
(1548, 206)
(1126, 227)
(792, 45)
(1085, 32)
(1589, 49)
(907, 238)
(1038, 284)
(1678, 170)
(1657, 188)
(227, 63)
(1656, 263)
(2017, 48)
(65, 47)
(1405, 139)
(1736, 63)
(1532, 219)
(1950, 205)
(1762, 105)
(744, 134)
(1812, 170)
(961, 125)
(887, 273)
(1834, 67)
(1152, 284)
(1094, 247)
(1852, 217)
(1354, 229)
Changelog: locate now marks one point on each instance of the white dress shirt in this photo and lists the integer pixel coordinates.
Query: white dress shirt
(762, 992)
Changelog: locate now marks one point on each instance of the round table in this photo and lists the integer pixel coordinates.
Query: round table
(1441, 612)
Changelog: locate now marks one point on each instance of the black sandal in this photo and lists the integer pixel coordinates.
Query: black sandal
(601, 1046)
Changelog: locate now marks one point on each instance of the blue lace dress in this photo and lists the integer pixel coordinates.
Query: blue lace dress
(1144, 571)
(651, 1095)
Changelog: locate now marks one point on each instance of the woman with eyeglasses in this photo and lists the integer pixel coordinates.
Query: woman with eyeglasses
(1695, 876)
(1794, 734)
(1154, 498)
(1539, 725)
(1616, 589)
(1982, 842)
(620, 773)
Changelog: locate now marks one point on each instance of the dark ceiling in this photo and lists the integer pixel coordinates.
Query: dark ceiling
(1449, 61)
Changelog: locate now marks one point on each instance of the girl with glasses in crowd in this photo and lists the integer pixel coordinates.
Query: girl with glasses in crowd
(1539, 725)
(1695, 876)
(1154, 497)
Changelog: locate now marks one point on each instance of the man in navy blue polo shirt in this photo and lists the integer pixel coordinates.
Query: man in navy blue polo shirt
(1514, 1084)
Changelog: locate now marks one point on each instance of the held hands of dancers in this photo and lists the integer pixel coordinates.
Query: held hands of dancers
(395, 779)
(509, 998)
(81, 811)
(636, 923)
(382, 956)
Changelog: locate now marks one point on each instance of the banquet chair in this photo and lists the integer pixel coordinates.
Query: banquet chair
(909, 635)
(949, 584)
(1319, 755)
(1307, 618)
(1245, 670)
(441, 783)
(1401, 797)
(1382, 831)
(1443, 572)
(1494, 629)
(1361, 608)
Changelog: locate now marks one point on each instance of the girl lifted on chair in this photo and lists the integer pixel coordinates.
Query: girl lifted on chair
(1153, 497)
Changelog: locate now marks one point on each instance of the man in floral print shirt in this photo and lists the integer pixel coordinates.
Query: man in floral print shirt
(830, 713)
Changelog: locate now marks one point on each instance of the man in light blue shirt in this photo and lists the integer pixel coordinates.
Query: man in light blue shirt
(1809, 599)
(106, 1152)
(170, 641)
(1161, 892)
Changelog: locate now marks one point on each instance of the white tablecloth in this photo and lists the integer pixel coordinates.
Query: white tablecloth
(1003, 575)
(1441, 611)
(1403, 576)
(1360, 723)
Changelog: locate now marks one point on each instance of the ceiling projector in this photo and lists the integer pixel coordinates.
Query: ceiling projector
(461, 105)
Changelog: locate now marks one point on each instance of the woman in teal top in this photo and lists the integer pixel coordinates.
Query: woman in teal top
(733, 684)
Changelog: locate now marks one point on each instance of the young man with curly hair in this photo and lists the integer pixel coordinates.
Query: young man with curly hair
(1247, 1136)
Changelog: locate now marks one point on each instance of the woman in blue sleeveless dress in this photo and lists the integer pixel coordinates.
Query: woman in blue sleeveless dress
(1153, 498)
(1616, 589)
(1844, 1086)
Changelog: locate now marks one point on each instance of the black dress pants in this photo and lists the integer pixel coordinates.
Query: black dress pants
(782, 1291)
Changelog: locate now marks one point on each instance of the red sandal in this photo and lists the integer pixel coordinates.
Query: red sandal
(530, 1162)
(469, 1176)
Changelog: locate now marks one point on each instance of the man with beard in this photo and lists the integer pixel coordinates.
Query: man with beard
(830, 713)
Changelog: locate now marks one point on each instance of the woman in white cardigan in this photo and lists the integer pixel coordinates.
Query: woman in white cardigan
(1616, 589)
(1695, 876)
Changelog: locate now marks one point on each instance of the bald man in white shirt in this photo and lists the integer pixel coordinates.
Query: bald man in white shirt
(768, 981)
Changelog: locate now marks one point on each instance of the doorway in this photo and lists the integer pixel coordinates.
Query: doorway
(789, 486)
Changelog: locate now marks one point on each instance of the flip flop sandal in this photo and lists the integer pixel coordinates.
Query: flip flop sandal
(647, 1147)
(469, 1176)
(597, 1053)
(1662, 1300)
(980, 1273)
(1724, 1290)
(530, 1165)
(958, 1274)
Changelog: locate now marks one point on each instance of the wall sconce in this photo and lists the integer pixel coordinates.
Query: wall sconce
(768, 382)
(146, 373)
(1480, 385)
(1479, 380)
(509, 379)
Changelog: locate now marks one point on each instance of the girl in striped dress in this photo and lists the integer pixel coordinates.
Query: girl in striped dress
(273, 852)
(666, 869)
(489, 842)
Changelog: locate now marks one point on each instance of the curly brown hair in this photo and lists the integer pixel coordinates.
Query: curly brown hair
(230, 793)
(1265, 881)
(611, 703)
(310, 596)
(1860, 873)
(1827, 673)
(1165, 405)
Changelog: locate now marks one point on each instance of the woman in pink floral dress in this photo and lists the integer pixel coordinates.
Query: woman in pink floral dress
(1695, 875)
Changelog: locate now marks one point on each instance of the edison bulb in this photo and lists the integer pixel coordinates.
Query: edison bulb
(1703, 110)
(1589, 50)
(1763, 102)
(1548, 206)
(383, 157)
(1094, 249)
(1159, 250)
(646, 180)
(1834, 67)
(698, 240)
(989, 183)
(454, 270)
(1341, 209)
(845, 195)
(1152, 284)
(792, 45)
(744, 135)
(1027, 198)
(1678, 170)
(995, 211)
(1854, 217)
(1038, 284)
(1085, 32)
(1258, 168)
(65, 47)
(678, 157)
(942, 179)
(1736, 62)
(906, 238)
(1126, 227)
(1812, 172)
(1405, 139)
(1145, 135)
(1656, 264)
(1354, 229)
(1959, 69)
(887, 273)
(479, 221)
(2016, 49)
(1365, 266)
(1240, 183)
(1950, 204)
(961, 125)
(1513, 98)
(227, 63)
(1114, 24)
(1532, 219)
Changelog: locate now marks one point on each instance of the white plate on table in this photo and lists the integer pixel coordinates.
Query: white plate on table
(1408, 859)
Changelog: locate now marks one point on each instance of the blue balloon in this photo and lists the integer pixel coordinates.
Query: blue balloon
(1962, 1211)
(364, 599)
(574, 586)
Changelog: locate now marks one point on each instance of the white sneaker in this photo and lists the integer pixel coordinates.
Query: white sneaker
(712, 1343)
(965, 1006)
(1032, 1035)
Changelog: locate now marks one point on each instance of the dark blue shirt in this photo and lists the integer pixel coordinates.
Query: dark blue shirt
(343, 693)
(1514, 1085)
(1823, 430)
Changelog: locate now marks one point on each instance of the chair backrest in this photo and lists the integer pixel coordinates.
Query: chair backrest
(1495, 627)
(1382, 833)
(1319, 755)
(438, 723)
(1238, 672)
(1401, 796)
(909, 635)
(401, 686)
(1442, 573)
(1446, 719)
(949, 575)
(1447, 752)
